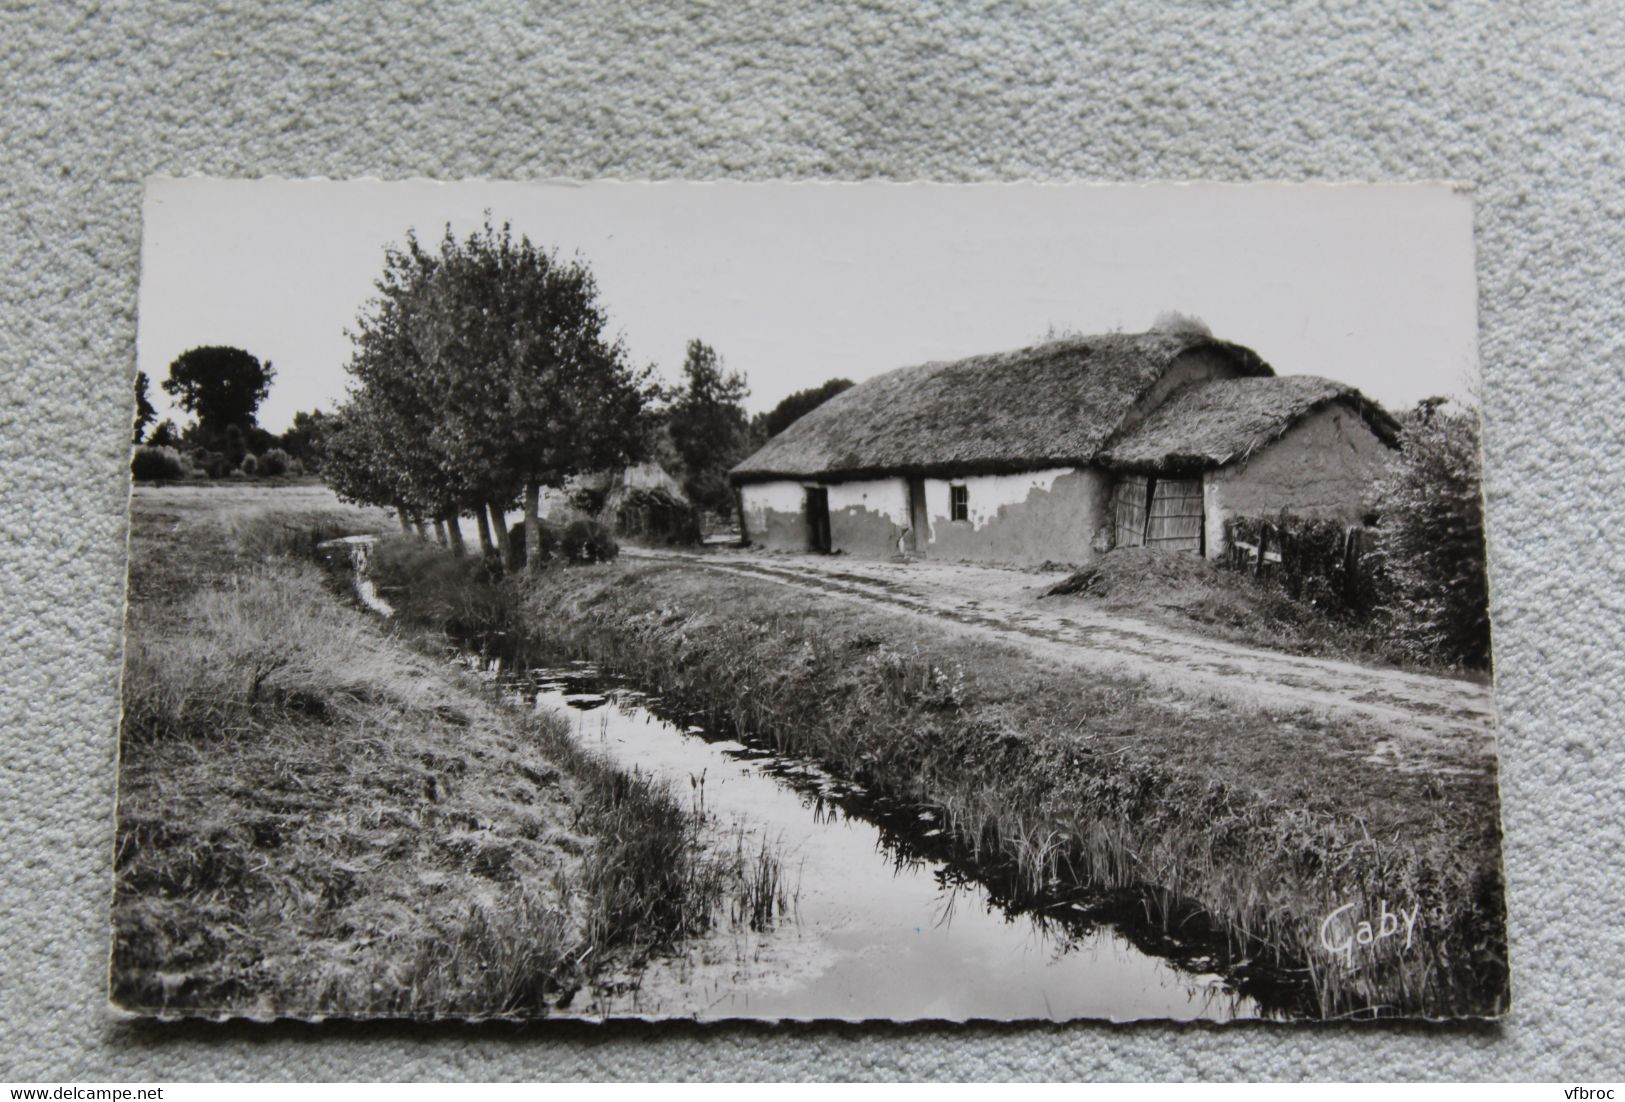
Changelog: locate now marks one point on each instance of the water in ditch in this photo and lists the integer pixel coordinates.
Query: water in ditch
(887, 921)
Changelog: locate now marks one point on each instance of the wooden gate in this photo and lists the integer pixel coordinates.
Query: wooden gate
(1128, 509)
(1175, 519)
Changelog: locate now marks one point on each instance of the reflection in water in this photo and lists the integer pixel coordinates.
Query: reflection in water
(890, 920)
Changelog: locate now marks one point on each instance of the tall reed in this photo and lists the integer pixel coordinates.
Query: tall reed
(1071, 780)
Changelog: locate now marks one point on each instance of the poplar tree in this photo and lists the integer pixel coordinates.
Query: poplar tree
(708, 426)
(144, 411)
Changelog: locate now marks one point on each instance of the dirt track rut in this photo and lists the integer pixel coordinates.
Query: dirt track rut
(1002, 604)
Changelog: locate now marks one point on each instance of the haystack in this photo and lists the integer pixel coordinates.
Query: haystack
(646, 503)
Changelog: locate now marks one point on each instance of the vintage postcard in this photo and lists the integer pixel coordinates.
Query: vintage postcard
(807, 601)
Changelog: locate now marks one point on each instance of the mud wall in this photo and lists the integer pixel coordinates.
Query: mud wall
(869, 517)
(1325, 466)
(1027, 518)
(773, 515)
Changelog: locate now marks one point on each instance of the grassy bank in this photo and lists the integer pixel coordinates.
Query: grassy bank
(317, 818)
(1196, 594)
(1270, 822)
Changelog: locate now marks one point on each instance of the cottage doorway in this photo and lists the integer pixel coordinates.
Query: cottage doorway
(918, 519)
(818, 520)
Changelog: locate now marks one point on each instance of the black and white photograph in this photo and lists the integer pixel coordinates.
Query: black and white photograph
(807, 601)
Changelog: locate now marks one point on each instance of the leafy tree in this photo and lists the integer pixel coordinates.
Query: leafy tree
(1432, 535)
(356, 462)
(483, 373)
(529, 389)
(386, 447)
(165, 435)
(220, 385)
(765, 426)
(708, 428)
(144, 412)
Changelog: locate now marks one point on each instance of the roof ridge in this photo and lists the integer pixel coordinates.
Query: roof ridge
(1053, 403)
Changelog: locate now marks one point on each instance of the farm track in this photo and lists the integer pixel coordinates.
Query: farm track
(1430, 719)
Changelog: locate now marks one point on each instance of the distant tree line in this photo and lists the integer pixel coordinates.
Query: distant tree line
(222, 387)
(765, 426)
(482, 371)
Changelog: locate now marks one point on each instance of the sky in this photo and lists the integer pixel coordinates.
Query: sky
(796, 283)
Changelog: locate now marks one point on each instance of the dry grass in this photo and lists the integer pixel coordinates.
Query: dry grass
(1185, 591)
(1266, 820)
(317, 819)
(314, 820)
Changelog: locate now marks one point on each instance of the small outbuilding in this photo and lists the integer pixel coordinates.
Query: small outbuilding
(1258, 446)
(1064, 450)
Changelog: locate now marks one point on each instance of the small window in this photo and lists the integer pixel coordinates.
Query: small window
(958, 503)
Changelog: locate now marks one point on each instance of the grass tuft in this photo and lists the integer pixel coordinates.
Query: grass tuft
(317, 819)
(1267, 821)
(1182, 590)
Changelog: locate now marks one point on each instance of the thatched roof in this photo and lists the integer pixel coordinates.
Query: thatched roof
(1050, 405)
(1219, 422)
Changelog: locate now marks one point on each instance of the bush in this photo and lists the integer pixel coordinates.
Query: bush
(586, 541)
(273, 463)
(1432, 537)
(426, 586)
(582, 540)
(160, 464)
(212, 464)
(1323, 562)
(249, 465)
(552, 534)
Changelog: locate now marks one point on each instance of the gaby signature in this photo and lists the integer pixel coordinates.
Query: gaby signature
(1341, 935)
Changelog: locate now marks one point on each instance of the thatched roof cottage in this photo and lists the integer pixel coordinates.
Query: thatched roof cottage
(1062, 450)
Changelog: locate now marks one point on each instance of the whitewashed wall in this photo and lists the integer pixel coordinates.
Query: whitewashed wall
(868, 517)
(1031, 517)
(887, 497)
(773, 515)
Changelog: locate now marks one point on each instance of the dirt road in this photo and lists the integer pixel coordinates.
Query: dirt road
(1003, 604)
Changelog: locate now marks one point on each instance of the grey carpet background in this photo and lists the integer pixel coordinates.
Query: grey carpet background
(1522, 102)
